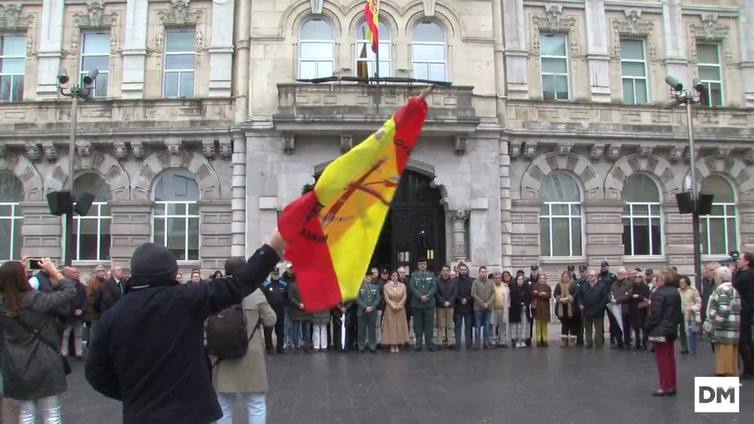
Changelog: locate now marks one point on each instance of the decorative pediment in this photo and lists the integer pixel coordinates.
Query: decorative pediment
(178, 14)
(553, 21)
(95, 16)
(11, 18)
(634, 26)
(709, 29)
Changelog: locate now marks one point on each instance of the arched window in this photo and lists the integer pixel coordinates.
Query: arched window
(429, 51)
(365, 57)
(719, 229)
(316, 49)
(91, 233)
(642, 219)
(560, 216)
(176, 213)
(11, 241)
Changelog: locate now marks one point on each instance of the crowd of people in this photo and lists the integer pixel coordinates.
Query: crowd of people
(166, 375)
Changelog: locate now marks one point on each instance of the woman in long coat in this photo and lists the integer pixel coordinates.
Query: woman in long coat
(541, 293)
(565, 309)
(723, 323)
(662, 326)
(520, 312)
(247, 375)
(394, 331)
(33, 370)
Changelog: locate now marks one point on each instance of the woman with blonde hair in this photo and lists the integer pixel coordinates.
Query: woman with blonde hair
(33, 369)
(565, 309)
(723, 322)
(691, 303)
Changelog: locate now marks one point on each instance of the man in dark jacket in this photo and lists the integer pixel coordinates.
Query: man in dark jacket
(446, 301)
(110, 291)
(620, 294)
(529, 282)
(74, 322)
(607, 278)
(276, 291)
(464, 307)
(744, 284)
(593, 299)
(708, 286)
(580, 282)
(148, 351)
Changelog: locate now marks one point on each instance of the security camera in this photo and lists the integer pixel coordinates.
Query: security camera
(698, 86)
(674, 83)
(62, 77)
(90, 77)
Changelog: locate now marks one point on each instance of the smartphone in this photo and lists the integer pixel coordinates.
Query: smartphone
(35, 264)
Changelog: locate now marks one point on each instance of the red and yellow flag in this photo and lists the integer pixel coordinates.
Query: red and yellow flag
(332, 230)
(372, 16)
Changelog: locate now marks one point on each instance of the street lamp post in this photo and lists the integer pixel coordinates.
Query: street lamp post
(689, 98)
(75, 92)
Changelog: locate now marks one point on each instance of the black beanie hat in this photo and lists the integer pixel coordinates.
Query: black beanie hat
(152, 265)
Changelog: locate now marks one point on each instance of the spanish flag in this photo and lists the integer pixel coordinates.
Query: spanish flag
(332, 230)
(372, 16)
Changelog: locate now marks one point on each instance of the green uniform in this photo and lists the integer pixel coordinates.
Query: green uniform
(423, 283)
(369, 296)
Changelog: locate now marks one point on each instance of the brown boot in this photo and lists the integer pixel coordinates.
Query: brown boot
(563, 341)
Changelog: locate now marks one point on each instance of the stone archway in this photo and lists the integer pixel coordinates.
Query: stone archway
(197, 164)
(733, 168)
(101, 163)
(657, 167)
(575, 164)
(27, 173)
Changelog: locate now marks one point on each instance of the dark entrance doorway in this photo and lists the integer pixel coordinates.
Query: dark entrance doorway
(415, 226)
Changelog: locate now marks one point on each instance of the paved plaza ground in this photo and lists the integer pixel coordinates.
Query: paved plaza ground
(552, 386)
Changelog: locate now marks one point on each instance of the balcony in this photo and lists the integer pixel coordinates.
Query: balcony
(337, 107)
(607, 120)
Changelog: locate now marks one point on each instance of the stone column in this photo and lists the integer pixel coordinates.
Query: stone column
(214, 234)
(221, 48)
(458, 222)
(238, 204)
(505, 204)
(50, 49)
(516, 55)
(675, 41)
(604, 231)
(41, 231)
(745, 24)
(524, 233)
(597, 57)
(134, 49)
(131, 227)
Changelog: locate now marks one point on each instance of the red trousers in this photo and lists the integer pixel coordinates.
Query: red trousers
(665, 358)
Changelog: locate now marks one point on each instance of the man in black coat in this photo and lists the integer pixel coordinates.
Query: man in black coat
(74, 322)
(464, 308)
(446, 301)
(744, 283)
(529, 282)
(148, 351)
(276, 291)
(593, 297)
(607, 278)
(580, 281)
(110, 291)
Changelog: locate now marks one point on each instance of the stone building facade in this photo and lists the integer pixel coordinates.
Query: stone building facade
(552, 146)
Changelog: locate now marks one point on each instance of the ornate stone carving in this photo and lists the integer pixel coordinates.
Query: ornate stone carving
(553, 12)
(174, 146)
(289, 144)
(10, 16)
(208, 148)
(225, 147)
(515, 150)
(428, 7)
(459, 215)
(613, 152)
(595, 154)
(3, 150)
(346, 143)
(709, 29)
(553, 21)
(120, 150)
(316, 6)
(460, 145)
(749, 156)
(722, 151)
(632, 19)
(179, 14)
(137, 148)
(634, 26)
(563, 149)
(676, 152)
(95, 16)
(84, 148)
(645, 150)
(697, 153)
(33, 151)
(530, 149)
(709, 20)
(50, 151)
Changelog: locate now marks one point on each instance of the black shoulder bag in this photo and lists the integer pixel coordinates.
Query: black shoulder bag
(37, 335)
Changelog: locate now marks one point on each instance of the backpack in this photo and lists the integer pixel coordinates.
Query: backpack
(226, 333)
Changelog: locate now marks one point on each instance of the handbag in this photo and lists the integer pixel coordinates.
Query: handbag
(657, 339)
(37, 335)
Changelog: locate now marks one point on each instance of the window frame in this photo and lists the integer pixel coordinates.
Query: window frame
(317, 61)
(633, 79)
(165, 217)
(705, 223)
(567, 63)
(360, 42)
(707, 83)
(180, 72)
(428, 63)
(83, 54)
(570, 216)
(13, 218)
(99, 218)
(650, 217)
(12, 75)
